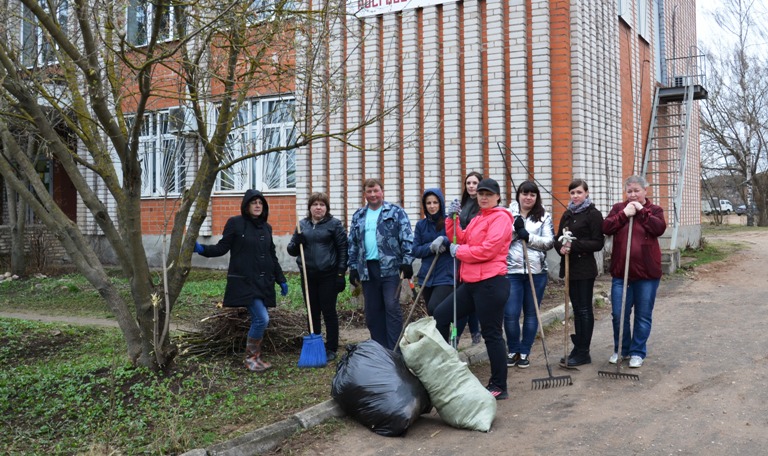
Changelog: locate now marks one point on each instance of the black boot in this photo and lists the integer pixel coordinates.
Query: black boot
(573, 350)
(579, 358)
(584, 321)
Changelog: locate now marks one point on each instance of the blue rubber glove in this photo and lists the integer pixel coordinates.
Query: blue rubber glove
(454, 248)
(198, 248)
(283, 288)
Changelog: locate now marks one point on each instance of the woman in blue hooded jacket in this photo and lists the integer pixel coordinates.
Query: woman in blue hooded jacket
(440, 283)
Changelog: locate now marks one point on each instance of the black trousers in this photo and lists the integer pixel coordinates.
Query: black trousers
(580, 292)
(487, 299)
(322, 300)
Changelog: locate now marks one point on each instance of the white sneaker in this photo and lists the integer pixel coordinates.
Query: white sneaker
(615, 357)
(635, 361)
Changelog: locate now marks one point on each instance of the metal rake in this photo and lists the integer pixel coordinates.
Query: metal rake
(551, 381)
(618, 375)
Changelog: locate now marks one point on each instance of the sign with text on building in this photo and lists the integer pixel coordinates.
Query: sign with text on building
(364, 8)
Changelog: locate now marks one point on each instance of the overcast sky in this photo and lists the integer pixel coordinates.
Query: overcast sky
(707, 29)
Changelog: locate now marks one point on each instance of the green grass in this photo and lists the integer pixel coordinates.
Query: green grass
(71, 294)
(712, 250)
(67, 389)
(70, 390)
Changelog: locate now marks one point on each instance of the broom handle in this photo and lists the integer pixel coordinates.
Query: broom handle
(624, 290)
(306, 281)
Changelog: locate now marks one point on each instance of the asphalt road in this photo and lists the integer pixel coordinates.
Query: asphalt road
(702, 389)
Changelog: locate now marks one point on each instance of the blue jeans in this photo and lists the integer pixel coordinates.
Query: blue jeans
(521, 299)
(259, 319)
(383, 315)
(641, 294)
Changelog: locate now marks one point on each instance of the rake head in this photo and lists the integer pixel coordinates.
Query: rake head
(618, 375)
(551, 382)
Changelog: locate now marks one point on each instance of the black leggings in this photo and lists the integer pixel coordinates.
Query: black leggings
(322, 299)
(487, 299)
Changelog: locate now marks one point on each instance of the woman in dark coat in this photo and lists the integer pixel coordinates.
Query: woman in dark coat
(253, 270)
(585, 223)
(431, 227)
(325, 255)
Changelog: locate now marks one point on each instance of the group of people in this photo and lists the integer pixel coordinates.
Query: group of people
(483, 257)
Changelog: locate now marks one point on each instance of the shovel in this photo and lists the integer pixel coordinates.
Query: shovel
(618, 375)
(551, 381)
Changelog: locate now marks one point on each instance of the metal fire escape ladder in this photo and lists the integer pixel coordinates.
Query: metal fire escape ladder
(664, 160)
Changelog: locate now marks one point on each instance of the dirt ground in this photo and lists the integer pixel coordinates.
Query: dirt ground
(702, 389)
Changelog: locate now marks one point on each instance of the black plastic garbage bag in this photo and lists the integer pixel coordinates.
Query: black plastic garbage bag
(373, 385)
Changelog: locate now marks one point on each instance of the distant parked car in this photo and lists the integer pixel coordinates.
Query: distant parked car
(742, 209)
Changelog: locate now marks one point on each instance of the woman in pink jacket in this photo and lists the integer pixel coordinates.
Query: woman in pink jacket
(482, 249)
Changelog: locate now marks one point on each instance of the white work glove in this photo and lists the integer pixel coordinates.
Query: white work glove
(630, 210)
(438, 245)
(454, 248)
(566, 239)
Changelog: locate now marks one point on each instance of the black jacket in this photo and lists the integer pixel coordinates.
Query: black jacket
(253, 266)
(325, 250)
(587, 227)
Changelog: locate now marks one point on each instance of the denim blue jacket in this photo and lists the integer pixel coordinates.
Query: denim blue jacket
(394, 239)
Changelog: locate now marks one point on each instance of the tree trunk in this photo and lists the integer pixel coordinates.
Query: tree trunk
(17, 209)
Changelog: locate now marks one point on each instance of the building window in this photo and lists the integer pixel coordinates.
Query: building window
(642, 20)
(265, 10)
(161, 152)
(37, 46)
(625, 10)
(140, 15)
(261, 125)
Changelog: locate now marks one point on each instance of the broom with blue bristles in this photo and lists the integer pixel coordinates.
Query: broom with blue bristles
(312, 349)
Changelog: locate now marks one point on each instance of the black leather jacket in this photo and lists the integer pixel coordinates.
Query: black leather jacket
(325, 251)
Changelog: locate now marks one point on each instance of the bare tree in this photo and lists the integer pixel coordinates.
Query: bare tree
(96, 68)
(734, 120)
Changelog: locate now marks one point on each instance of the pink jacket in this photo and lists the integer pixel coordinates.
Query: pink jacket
(483, 244)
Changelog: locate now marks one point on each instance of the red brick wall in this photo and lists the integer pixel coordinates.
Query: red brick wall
(562, 104)
(282, 213)
(627, 117)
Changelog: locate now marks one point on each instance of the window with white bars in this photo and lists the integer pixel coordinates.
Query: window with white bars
(161, 153)
(260, 125)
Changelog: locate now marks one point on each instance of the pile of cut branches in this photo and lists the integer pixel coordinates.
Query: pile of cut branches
(225, 332)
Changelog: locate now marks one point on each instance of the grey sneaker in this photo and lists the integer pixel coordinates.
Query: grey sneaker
(475, 338)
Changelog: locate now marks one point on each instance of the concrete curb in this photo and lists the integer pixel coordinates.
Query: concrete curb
(269, 437)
